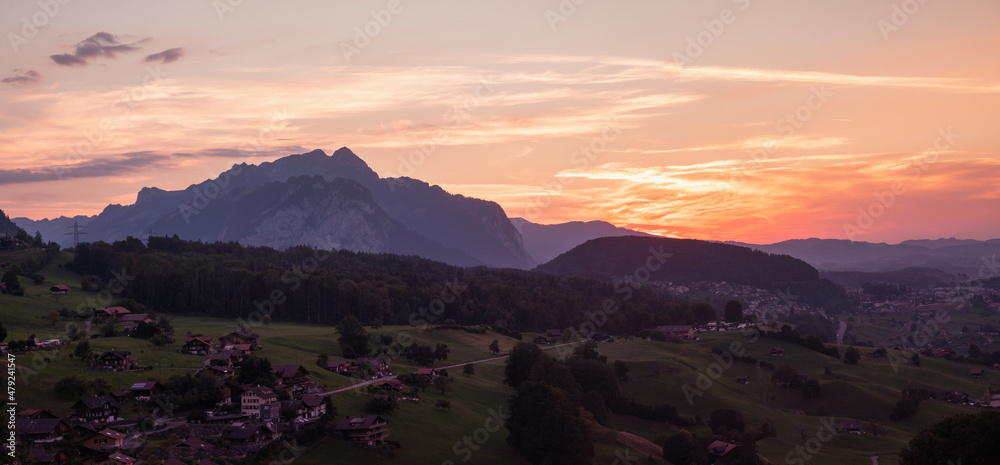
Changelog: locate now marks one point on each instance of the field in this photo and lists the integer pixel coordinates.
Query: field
(659, 373)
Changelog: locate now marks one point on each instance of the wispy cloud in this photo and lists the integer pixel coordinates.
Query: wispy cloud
(97, 168)
(22, 77)
(166, 56)
(102, 44)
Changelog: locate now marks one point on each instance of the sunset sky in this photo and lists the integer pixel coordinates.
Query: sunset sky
(747, 120)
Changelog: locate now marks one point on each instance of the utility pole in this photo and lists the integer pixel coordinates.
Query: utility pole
(76, 233)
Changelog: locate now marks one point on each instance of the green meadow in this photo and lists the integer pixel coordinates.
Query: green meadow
(659, 372)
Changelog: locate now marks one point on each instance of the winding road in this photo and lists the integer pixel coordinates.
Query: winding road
(499, 357)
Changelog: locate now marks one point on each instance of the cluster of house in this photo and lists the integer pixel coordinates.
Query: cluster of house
(553, 336)
(361, 367)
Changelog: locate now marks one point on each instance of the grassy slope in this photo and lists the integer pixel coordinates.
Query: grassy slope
(428, 435)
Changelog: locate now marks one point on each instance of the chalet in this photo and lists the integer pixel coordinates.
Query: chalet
(390, 385)
(59, 289)
(943, 352)
(338, 366)
(427, 375)
(110, 312)
(553, 333)
(685, 332)
(41, 430)
(541, 340)
(216, 371)
(118, 360)
(144, 390)
(251, 434)
(852, 426)
(35, 414)
(121, 395)
(240, 349)
(225, 357)
(289, 377)
(194, 444)
(96, 408)
(721, 448)
(197, 346)
(777, 352)
(743, 379)
(104, 440)
(367, 430)
(136, 318)
(226, 390)
(239, 337)
(255, 399)
(976, 372)
(379, 365)
(315, 405)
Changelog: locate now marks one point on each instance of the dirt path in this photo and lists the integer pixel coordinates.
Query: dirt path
(841, 331)
(499, 357)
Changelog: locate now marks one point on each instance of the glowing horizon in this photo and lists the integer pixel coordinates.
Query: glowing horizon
(734, 120)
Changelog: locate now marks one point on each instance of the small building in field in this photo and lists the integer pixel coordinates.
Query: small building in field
(743, 379)
(59, 289)
(378, 365)
(777, 352)
(540, 340)
(976, 372)
(118, 360)
(852, 426)
(240, 337)
(338, 366)
(685, 332)
(110, 312)
(144, 390)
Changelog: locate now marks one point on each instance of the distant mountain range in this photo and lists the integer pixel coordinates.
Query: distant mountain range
(338, 201)
(951, 255)
(545, 242)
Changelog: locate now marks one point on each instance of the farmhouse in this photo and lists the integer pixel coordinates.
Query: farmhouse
(976, 372)
(96, 408)
(852, 426)
(118, 360)
(41, 430)
(110, 312)
(251, 434)
(743, 379)
(59, 289)
(777, 352)
(197, 346)
(541, 340)
(367, 430)
(144, 390)
(338, 366)
(239, 337)
(379, 365)
(194, 444)
(289, 377)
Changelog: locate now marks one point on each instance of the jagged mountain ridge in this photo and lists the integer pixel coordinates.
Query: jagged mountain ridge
(479, 229)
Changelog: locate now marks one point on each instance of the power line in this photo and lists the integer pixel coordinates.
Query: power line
(76, 233)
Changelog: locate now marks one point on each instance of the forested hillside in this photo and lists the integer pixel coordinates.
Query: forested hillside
(303, 284)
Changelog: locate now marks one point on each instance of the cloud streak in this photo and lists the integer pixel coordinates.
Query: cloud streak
(166, 56)
(100, 45)
(23, 77)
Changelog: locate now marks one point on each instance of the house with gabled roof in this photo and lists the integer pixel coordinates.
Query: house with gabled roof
(289, 377)
(106, 439)
(721, 448)
(368, 430)
(59, 289)
(117, 360)
(110, 312)
(197, 345)
(144, 390)
(194, 444)
(240, 337)
(96, 408)
(41, 430)
(251, 433)
(36, 414)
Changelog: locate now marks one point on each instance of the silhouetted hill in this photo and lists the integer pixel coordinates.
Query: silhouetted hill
(911, 277)
(687, 260)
